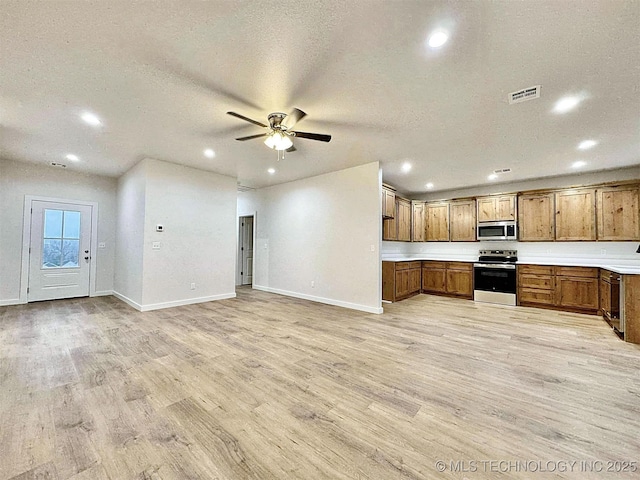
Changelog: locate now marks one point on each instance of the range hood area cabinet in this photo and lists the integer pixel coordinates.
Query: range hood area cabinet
(496, 208)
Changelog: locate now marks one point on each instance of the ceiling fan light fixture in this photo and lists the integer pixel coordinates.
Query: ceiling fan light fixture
(278, 141)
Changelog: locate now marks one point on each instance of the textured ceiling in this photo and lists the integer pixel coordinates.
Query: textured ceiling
(161, 76)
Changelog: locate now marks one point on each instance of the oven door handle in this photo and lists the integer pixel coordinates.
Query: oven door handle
(495, 265)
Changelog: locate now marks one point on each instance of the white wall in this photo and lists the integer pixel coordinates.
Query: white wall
(612, 253)
(198, 245)
(130, 234)
(18, 179)
(320, 230)
(198, 212)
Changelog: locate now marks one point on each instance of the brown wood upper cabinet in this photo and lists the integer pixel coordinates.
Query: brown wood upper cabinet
(618, 210)
(576, 214)
(388, 202)
(496, 208)
(536, 217)
(437, 220)
(418, 231)
(462, 216)
(403, 219)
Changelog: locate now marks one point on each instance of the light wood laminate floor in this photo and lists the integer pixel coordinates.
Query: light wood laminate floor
(270, 387)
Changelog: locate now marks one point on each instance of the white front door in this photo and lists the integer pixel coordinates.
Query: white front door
(60, 251)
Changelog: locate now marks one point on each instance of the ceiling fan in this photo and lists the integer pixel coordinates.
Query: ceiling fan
(279, 131)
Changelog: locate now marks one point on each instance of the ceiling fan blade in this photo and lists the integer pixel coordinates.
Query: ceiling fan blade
(250, 137)
(246, 119)
(294, 117)
(313, 136)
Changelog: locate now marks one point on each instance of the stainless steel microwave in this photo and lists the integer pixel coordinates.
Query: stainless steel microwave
(498, 231)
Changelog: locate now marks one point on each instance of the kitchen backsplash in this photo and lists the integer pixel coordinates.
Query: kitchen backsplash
(612, 253)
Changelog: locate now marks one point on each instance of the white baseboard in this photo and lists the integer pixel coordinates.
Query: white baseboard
(11, 301)
(102, 293)
(175, 303)
(328, 301)
(128, 301)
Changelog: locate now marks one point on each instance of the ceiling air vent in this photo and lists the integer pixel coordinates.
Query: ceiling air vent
(502, 170)
(525, 94)
(244, 188)
(56, 164)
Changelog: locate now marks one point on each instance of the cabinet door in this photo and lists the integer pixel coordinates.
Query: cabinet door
(437, 215)
(618, 213)
(417, 222)
(577, 292)
(388, 203)
(404, 220)
(536, 214)
(402, 283)
(463, 221)
(389, 229)
(434, 280)
(487, 209)
(576, 215)
(415, 280)
(506, 206)
(460, 282)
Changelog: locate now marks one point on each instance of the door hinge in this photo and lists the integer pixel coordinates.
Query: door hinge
(241, 273)
(27, 289)
(29, 249)
(242, 249)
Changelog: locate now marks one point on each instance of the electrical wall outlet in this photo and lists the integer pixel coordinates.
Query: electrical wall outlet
(313, 283)
(155, 245)
(102, 245)
(193, 286)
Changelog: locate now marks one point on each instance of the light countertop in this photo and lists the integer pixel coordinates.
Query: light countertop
(628, 268)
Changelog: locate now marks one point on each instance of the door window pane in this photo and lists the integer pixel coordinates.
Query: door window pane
(52, 223)
(70, 250)
(52, 253)
(61, 239)
(71, 224)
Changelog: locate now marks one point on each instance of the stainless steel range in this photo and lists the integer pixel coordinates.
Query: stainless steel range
(495, 277)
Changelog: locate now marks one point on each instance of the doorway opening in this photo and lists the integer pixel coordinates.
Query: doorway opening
(244, 273)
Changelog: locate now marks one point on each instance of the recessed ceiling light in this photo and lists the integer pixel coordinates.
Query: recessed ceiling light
(587, 144)
(72, 157)
(91, 118)
(406, 167)
(493, 176)
(272, 171)
(429, 185)
(578, 164)
(438, 38)
(209, 153)
(566, 104)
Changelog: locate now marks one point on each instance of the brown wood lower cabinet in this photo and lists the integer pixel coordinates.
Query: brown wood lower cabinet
(563, 288)
(400, 280)
(447, 278)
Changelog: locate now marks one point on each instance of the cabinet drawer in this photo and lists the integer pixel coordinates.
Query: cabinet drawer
(543, 282)
(535, 269)
(403, 265)
(462, 266)
(534, 295)
(583, 272)
(433, 264)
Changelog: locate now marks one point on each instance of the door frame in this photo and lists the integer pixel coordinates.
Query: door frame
(26, 240)
(238, 252)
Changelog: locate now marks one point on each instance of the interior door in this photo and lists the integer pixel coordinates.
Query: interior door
(59, 253)
(247, 250)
